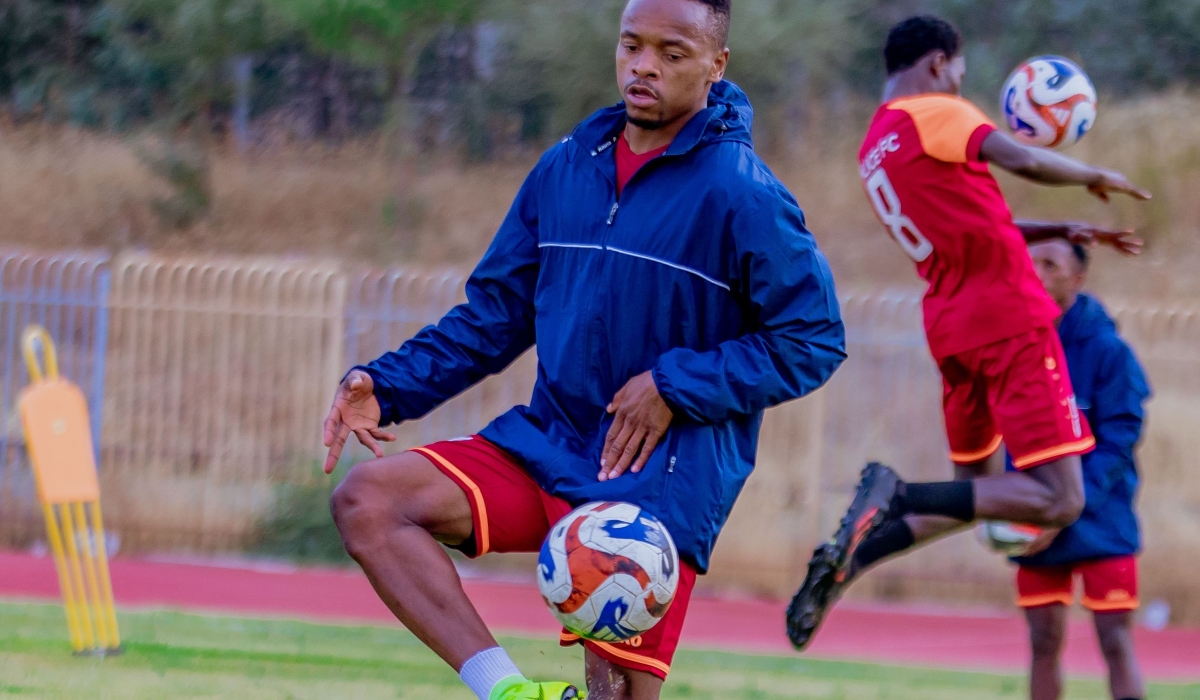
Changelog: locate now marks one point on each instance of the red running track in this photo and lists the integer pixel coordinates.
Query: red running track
(853, 632)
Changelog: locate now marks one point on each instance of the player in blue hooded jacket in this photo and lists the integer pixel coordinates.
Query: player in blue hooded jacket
(1100, 547)
(673, 292)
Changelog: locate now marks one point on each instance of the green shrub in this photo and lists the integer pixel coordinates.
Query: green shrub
(298, 526)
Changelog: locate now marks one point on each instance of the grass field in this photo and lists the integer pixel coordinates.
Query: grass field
(175, 655)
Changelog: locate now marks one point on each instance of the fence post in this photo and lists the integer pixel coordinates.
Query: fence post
(99, 357)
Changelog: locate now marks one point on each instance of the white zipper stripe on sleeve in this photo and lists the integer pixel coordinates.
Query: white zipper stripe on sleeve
(583, 246)
(660, 261)
(622, 251)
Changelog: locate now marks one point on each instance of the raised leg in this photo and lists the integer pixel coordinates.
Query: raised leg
(392, 513)
(1050, 496)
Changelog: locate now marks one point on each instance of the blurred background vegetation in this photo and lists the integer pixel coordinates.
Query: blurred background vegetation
(398, 130)
(483, 75)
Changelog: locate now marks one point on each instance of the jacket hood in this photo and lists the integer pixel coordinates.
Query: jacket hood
(729, 117)
(1086, 319)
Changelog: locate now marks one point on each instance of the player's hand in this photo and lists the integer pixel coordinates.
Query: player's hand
(1042, 542)
(642, 418)
(1123, 241)
(1108, 182)
(355, 410)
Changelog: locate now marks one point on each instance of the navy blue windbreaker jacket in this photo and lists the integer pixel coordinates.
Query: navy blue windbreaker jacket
(702, 272)
(1110, 387)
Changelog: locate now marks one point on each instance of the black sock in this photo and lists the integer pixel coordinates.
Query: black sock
(954, 499)
(892, 537)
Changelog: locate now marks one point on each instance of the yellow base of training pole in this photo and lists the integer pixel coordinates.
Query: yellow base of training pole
(58, 437)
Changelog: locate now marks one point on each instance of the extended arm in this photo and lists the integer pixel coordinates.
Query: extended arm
(1050, 168)
(798, 341)
(473, 340)
(1084, 234)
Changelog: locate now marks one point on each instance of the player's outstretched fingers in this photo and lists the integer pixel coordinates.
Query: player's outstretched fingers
(1138, 193)
(382, 436)
(368, 441)
(338, 441)
(333, 422)
(1116, 182)
(1126, 242)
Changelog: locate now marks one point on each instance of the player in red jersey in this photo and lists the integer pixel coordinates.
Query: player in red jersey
(989, 322)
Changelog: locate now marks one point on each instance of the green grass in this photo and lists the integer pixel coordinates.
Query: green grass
(175, 655)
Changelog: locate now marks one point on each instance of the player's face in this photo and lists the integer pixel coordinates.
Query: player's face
(956, 70)
(1059, 270)
(948, 73)
(666, 60)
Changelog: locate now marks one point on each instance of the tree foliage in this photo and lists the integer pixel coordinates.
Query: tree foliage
(487, 69)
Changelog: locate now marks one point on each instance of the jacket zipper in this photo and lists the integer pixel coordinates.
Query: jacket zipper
(612, 213)
(666, 489)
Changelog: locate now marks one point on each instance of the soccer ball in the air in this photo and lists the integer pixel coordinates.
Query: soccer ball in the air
(1010, 539)
(608, 571)
(1049, 101)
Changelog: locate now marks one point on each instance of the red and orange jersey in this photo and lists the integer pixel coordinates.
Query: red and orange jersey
(920, 163)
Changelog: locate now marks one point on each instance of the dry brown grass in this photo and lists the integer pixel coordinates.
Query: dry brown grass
(66, 188)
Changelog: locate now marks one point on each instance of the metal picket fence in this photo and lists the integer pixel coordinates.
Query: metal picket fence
(209, 378)
(68, 294)
(219, 375)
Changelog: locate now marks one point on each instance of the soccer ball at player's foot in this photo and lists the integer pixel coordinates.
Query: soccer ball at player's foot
(1049, 101)
(1010, 539)
(608, 571)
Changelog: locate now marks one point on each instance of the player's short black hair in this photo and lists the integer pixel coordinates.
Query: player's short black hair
(912, 39)
(721, 11)
(1082, 256)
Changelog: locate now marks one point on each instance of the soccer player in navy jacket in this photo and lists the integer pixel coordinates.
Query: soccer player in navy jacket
(1101, 547)
(674, 294)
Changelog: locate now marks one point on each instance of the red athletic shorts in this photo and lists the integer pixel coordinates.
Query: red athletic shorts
(1109, 585)
(1016, 391)
(511, 513)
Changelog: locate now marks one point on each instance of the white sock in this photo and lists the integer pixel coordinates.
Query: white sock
(483, 671)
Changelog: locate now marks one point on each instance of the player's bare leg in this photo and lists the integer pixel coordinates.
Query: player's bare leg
(926, 528)
(393, 513)
(1115, 632)
(608, 681)
(1051, 496)
(1047, 636)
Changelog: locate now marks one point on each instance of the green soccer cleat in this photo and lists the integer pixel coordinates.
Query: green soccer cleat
(521, 689)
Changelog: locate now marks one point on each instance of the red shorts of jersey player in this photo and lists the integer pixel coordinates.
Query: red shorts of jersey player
(1016, 390)
(511, 513)
(1109, 585)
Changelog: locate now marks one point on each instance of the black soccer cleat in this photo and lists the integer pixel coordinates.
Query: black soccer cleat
(830, 569)
(820, 589)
